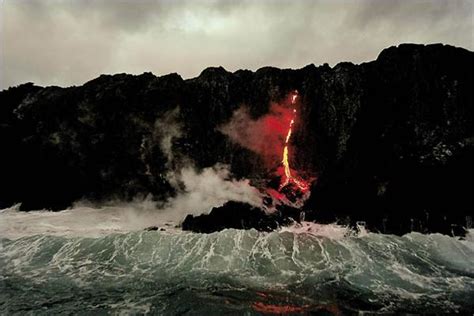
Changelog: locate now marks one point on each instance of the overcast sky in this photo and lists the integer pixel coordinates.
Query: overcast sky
(54, 42)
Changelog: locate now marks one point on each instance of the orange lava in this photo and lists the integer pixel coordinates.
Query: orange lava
(289, 178)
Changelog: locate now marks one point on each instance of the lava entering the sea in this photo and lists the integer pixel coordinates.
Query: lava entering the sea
(270, 136)
(288, 178)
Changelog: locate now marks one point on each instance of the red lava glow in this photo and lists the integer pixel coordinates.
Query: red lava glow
(270, 136)
(288, 177)
(264, 136)
(277, 309)
(263, 306)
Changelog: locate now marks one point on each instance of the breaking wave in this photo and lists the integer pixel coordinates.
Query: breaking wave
(98, 266)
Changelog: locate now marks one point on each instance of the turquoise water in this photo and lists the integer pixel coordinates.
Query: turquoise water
(297, 270)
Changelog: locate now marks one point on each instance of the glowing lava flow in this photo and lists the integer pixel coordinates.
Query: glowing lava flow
(289, 178)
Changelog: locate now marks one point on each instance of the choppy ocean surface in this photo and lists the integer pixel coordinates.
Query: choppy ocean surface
(95, 262)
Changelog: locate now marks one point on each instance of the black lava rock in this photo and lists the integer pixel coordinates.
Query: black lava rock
(151, 228)
(240, 215)
(231, 215)
(390, 141)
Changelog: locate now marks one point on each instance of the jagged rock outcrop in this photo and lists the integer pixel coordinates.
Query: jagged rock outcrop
(231, 215)
(240, 215)
(390, 140)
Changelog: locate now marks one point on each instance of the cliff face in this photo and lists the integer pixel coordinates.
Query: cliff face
(390, 141)
(403, 143)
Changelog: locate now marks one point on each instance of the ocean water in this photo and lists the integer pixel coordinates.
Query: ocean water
(77, 262)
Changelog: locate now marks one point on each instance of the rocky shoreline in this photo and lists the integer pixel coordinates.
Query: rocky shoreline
(390, 141)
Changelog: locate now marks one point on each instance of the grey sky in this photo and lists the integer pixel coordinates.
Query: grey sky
(59, 42)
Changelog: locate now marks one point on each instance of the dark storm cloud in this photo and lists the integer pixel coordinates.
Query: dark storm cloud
(69, 42)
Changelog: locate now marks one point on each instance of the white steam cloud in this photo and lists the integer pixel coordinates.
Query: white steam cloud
(209, 188)
(199, 192)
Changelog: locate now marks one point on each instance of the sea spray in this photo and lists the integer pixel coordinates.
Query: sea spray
(305, 267)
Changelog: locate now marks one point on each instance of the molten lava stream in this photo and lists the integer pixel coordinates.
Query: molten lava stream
(288, 177)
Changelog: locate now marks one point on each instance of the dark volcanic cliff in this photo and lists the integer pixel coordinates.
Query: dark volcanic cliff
(390, 140)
